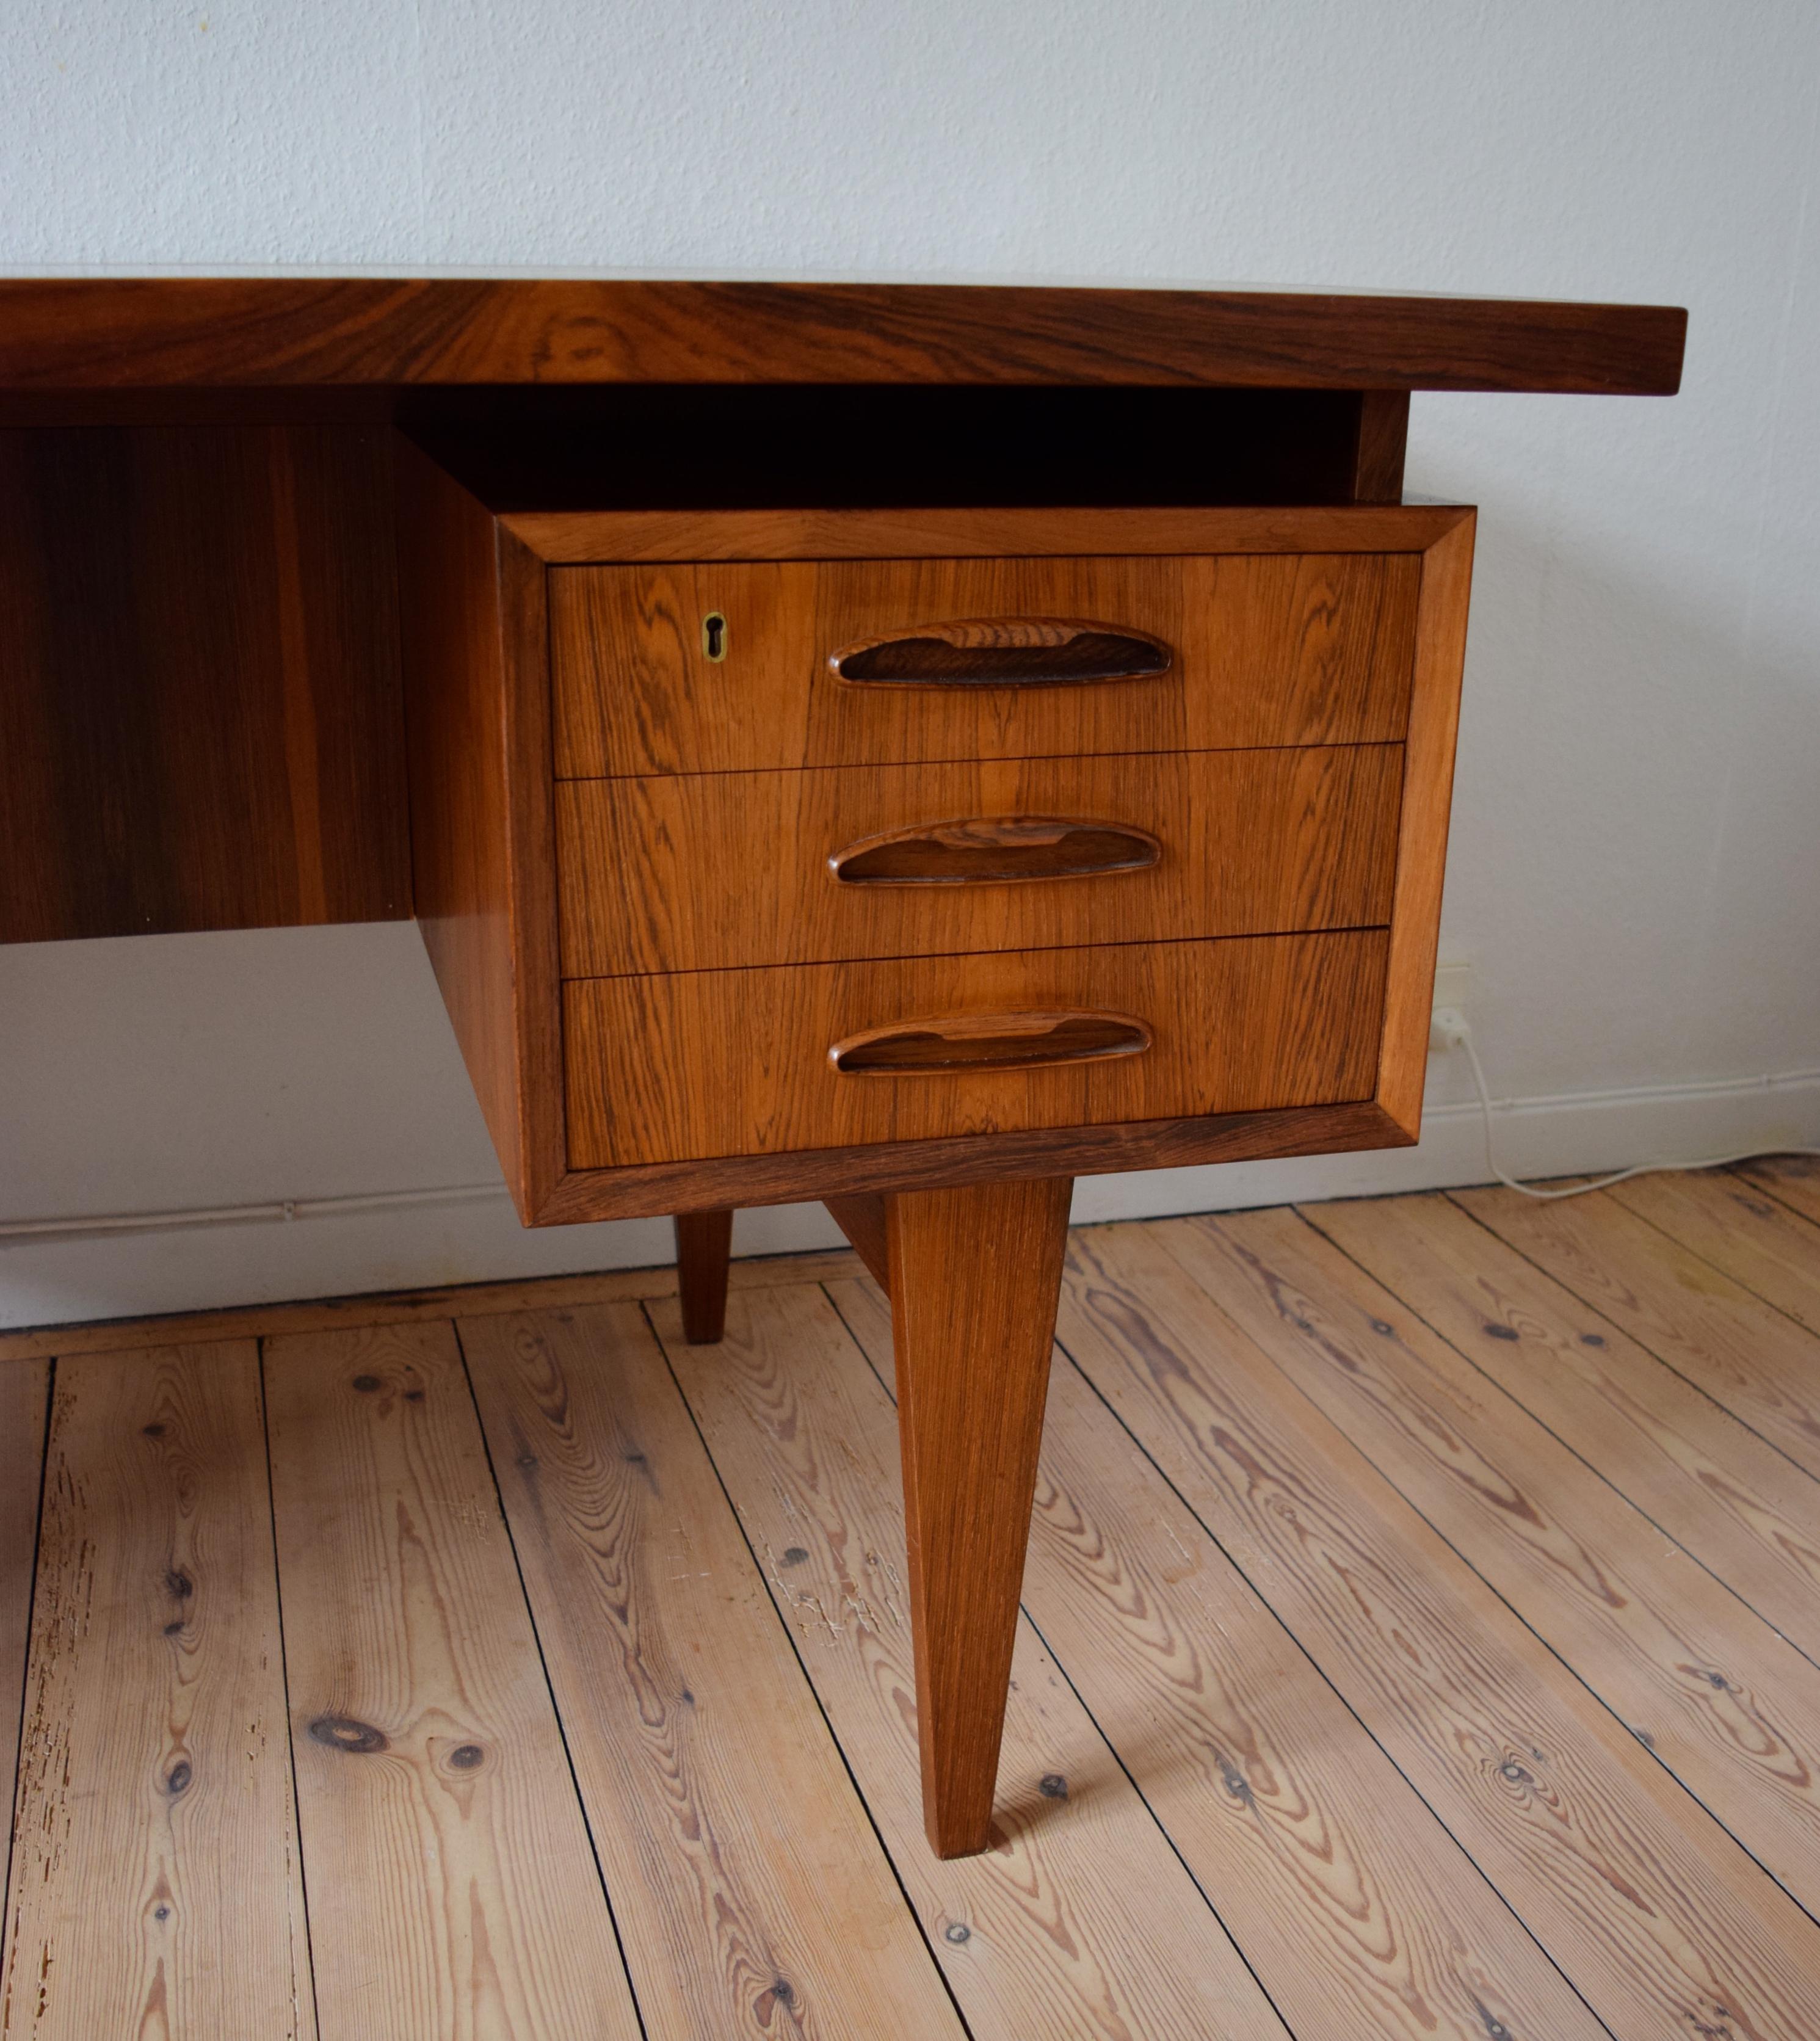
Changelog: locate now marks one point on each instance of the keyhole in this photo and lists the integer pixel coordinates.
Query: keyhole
(714, 635)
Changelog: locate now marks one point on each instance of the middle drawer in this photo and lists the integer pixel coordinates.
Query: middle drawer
(720, 871)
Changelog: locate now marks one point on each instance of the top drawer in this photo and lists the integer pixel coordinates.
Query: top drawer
(1252, 649)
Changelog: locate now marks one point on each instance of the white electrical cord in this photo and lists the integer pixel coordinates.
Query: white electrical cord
(1451, 1030)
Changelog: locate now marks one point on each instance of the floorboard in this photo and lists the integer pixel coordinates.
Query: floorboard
(1701, 1478)
(1358, 1911)
(1661, 1921)
(1081, 1920)
(453, 1892)
(689, 1718)
(23, 1389)
(1730, 1707)
(1755, 1240)
(1792, 1180)
(155, 1886)
(1721, 1336)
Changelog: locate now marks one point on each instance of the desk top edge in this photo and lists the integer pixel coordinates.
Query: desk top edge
(85, 334)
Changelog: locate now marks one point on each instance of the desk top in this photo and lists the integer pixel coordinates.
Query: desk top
(354, 334)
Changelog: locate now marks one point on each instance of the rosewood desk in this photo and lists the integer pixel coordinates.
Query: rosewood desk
(902, 745)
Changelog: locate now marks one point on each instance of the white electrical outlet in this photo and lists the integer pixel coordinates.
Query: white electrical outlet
(1452, 983)
(1452, 991)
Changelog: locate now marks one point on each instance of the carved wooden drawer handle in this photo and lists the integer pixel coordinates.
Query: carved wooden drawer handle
(961, 1043)
(991, 848)
(1005, 652)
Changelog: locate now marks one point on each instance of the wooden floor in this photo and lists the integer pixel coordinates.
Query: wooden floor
(1422, 1639)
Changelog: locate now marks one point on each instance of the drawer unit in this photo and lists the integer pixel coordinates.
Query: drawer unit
(774, 856)
(708, 871)
(849, 662)
(700, 1064)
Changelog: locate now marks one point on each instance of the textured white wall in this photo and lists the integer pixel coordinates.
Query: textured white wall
(1635, 871)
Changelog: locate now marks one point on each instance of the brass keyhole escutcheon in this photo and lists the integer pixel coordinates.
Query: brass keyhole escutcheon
(714, 635)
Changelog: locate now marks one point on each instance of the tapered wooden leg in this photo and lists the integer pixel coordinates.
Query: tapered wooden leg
(862, 1219)
(975, 1274)
(703, 1244)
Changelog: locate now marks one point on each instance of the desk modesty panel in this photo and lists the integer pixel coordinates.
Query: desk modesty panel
(689, 828)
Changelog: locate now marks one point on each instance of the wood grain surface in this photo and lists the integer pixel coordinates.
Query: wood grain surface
(1080, 1921)
(804, 1173)
(1710, 1329)
(1725, 1496)
(1277, 1757)
(745, 1874)
(462, 784)
(1792, 1180)
(1755, 1241)
(1354, 1911)
(1660, 1921)
(1433, 721)
(452, 1888)
(64, 334)
(736, 1063)
(1298, 647)
(974, 1274)
(1726, 1703)
(1001, 651)
(704, 1245)
(980, 850)
(863, 1220)
(1381, 444)
(482, 833)
(24, 1390)
(200, 721)
(156, 1885)
(943, 530)
(715, 870)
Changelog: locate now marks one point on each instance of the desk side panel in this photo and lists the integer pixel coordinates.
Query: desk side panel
(1428, 793)
(455, 719)
(199, 713)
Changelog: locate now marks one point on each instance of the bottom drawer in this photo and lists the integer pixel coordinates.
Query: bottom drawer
(700, 1064)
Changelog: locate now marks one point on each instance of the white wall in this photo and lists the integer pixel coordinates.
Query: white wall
(1636, 870)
